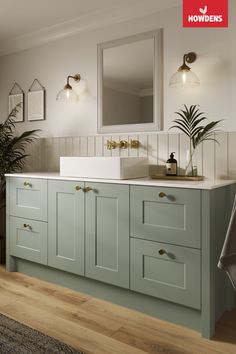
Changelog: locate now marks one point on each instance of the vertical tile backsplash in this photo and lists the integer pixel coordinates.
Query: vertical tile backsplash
(213, 160)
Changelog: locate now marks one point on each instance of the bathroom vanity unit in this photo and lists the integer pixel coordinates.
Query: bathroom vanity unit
(149, 245)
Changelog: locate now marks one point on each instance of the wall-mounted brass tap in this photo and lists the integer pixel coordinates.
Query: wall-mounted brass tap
(123, 144)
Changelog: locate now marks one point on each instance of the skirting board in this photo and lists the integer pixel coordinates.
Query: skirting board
(149, 305)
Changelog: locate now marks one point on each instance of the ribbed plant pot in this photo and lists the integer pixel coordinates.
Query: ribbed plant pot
(2, 250)
(2, 235)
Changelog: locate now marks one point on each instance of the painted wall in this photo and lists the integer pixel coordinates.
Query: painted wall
(52, 62)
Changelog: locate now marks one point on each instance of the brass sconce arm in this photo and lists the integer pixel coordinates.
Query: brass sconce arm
(76, 77)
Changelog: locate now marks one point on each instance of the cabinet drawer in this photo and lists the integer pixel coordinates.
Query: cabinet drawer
(173, 275)
(170, 215)
(28, 239)
(28, 198)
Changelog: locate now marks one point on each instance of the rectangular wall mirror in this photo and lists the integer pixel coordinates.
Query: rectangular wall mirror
(130, 83)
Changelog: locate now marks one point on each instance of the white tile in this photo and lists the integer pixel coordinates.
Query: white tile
(221, 156)
(143, 149)
(163, 152)
(231, 152)
(76, 146)
(83, 146)
(69, 146)
(208, 168)
(98, 145)
(91, 146)
(62, 146)
(152, 153)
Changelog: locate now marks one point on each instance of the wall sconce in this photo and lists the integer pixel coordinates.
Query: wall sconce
(184, 76)
(67, 93)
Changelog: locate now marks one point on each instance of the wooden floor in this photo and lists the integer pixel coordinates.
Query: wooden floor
(97, 326)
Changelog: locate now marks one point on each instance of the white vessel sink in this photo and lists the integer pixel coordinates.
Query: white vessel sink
(104, 167)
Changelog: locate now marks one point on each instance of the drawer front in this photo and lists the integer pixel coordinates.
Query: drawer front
(28, 198)
(164, 271)
(170, 215)
(28, 239)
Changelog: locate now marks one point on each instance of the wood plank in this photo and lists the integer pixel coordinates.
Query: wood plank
(97, 326)
(70, 333)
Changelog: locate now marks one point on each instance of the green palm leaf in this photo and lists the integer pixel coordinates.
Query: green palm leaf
(12, 148)
(190, 121)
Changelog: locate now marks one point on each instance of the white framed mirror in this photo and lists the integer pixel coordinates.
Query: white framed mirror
(130, 82)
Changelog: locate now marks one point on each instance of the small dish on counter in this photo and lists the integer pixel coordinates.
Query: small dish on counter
(179, 178)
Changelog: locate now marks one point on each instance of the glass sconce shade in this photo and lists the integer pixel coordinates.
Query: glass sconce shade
(67, 93)
(184, 78)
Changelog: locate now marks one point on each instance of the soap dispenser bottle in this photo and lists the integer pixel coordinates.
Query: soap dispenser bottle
(171, 166)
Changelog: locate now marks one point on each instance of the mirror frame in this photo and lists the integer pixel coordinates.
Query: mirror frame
(156, 125)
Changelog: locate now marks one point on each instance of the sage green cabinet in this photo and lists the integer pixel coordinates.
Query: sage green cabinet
(162, 243)
(28, 198)
(165, 271)
(104, 243)
(107, 233)
(162, 214)
(66, 226)
(28, 239)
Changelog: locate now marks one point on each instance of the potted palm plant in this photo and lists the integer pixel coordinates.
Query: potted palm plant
(12, 159)
(190, 121)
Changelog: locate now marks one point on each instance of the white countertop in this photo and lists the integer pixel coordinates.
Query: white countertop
(207, 184)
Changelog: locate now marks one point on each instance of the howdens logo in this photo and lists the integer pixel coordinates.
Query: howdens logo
(205, 13)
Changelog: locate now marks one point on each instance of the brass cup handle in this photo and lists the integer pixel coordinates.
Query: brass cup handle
(27, 226)
(161, 252)
(87, 189)
(162, 195)
(78, 188)
(27, 184)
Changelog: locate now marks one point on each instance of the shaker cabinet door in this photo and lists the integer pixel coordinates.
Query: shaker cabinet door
(66, 226)
(107, 233)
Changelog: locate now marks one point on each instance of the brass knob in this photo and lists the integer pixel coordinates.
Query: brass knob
(87, 189)
(161, 252)
(162, 195)
(78, 188)
(27, 226)
(27, 184)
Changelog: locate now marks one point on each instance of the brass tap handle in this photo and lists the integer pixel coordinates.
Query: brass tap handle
(87, 189)
(111, 144)
(78, 188)
(123, 144)
(27, 184)
(162, 195)
(134, 144)
(161, 252)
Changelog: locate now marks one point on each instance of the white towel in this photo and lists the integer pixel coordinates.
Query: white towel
(227, 260)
